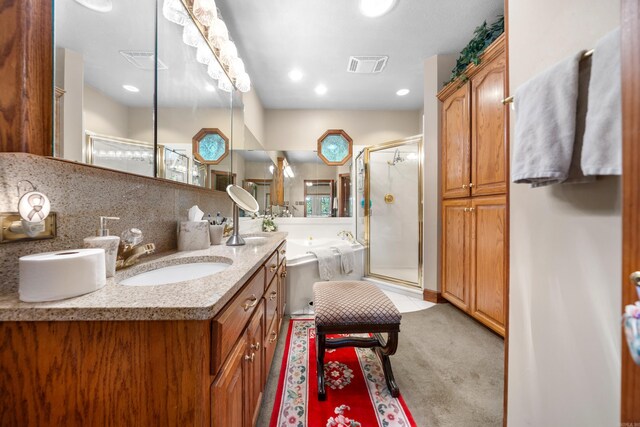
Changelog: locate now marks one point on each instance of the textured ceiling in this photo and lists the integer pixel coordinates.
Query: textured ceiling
(318, 36)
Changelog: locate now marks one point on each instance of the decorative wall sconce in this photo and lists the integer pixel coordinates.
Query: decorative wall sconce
(210, 146)
(335, 147)
(34, 219)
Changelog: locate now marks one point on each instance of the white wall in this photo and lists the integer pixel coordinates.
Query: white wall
(104, 115)
(70, 68)
(437, 70)
(254, 115)
(565, 303)
(300, 129)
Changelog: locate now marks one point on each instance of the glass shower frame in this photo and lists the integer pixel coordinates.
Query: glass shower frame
(367, 209)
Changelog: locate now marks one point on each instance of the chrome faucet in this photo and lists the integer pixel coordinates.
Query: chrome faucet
(346, 234)
(130, 250)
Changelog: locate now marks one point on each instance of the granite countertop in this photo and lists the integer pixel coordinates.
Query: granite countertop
(197, 299)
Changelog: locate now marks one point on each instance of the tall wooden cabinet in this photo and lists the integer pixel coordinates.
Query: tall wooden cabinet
(474, 184)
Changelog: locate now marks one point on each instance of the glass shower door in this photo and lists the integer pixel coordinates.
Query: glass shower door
(393, 216)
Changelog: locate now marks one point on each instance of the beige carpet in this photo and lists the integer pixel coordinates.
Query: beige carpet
(449, 369)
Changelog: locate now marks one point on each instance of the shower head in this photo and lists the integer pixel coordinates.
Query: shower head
(397, 158)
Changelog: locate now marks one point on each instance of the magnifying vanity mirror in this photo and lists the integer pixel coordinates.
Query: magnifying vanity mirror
(242, 199)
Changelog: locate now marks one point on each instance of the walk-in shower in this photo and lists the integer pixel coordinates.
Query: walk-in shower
(389, 211)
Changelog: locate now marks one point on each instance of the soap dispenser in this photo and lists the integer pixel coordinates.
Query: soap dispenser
(103, 240)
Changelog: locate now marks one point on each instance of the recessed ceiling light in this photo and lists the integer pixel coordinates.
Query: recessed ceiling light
(375, 8)
(210, 88)
(402, 92)
(321, 89)
(130, 88)
(97, 5)
(296, 75)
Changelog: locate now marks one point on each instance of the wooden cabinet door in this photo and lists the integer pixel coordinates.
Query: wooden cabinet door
(456, 151)
(456, 233)
(488, 132)
(489, 261)
(227, 391)
(254, 358)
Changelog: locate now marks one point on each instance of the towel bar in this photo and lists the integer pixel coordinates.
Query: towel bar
(509, 99)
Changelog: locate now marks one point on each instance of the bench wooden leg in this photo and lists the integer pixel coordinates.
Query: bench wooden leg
(387, 349)
(320, 347)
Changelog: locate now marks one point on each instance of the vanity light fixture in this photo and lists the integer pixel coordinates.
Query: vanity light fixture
(295, 75)
(402, 92)
(131, 88)
(376, 8)
(320, 89)
(208, 30)
(97, 5)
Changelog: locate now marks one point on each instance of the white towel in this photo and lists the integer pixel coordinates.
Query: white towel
(347, 259)
(602, 148)
(327, 265)
(545, 125)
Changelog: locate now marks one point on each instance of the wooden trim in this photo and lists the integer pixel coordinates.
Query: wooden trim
(433, 296)
(630, 67)
(493, 51)
(342, 201)
(507, 144)
(196, 149)
(26, 70)
(345, 136)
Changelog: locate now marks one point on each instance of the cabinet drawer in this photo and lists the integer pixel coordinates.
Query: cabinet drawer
(272, 267)
(271, 296)
(282, 252)
(270, 342)
(229, 324)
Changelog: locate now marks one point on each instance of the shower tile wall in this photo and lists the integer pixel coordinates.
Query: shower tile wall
(394, 226)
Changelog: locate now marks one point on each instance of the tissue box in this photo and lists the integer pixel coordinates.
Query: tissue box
(193, 235)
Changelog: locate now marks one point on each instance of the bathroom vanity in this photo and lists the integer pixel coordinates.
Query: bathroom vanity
(193, 353)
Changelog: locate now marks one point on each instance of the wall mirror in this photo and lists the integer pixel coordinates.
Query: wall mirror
(109, 65)
(312, 188)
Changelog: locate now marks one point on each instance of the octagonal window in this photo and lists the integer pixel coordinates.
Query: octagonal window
(210, 146)
(335, 147)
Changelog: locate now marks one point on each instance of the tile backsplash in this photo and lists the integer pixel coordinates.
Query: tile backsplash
(80, 194)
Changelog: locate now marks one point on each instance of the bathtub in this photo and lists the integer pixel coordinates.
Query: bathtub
(302, 271)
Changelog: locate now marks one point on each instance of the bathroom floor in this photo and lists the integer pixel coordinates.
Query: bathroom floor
(449, 368)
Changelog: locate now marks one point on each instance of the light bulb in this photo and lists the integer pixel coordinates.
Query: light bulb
(218, 33)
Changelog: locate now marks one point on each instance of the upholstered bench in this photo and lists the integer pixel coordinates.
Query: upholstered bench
(354, 307)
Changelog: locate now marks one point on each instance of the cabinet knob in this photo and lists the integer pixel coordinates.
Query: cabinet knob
(253, 302)
(255, 346)
(273, 295)
(464, 186)
(472, 209)
(274, 335)
(466, 209)
(249, 358)
(283, 252)
(284, 273)
(471, 185)
(273, 268)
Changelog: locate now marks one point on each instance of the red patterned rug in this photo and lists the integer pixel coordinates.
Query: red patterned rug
(357, 395)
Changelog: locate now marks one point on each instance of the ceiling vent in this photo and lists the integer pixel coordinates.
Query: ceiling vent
(367, 64)
(142, 60)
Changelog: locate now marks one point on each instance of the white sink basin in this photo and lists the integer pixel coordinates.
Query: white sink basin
(175, 274)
